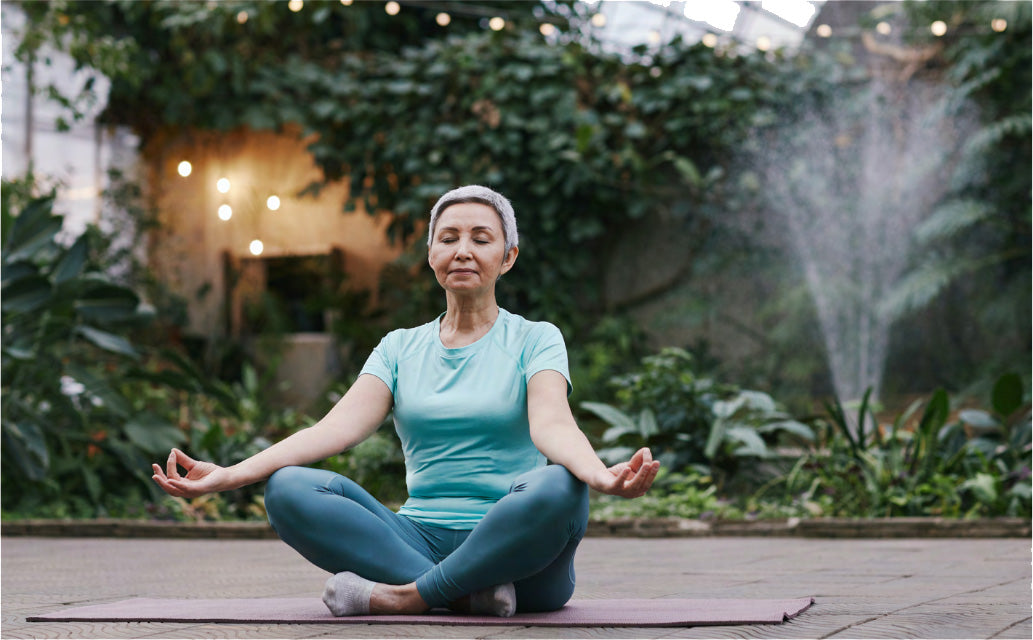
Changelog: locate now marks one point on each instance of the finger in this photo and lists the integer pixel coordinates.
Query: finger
(158, 471)
(185, 461)
(170, 466)
(166, 486)
(636, 460)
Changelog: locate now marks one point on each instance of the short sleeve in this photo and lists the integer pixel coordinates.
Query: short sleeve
(383, 362)
(548, 352)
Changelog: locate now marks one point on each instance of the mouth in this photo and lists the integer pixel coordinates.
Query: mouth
(463, 272)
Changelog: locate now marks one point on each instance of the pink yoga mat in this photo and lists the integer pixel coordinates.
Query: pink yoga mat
(661, 612)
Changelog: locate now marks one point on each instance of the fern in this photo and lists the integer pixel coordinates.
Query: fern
(950, 219)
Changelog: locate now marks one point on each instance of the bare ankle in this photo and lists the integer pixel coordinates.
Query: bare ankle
(396, 599)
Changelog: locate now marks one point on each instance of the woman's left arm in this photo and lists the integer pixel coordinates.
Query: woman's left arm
(555, 433)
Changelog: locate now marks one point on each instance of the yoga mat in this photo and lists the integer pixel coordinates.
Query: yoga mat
(578, 613)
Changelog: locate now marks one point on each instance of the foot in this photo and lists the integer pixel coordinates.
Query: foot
(499, 600)
(347, 594)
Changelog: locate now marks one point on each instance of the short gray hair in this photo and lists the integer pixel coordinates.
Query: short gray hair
(481, 195)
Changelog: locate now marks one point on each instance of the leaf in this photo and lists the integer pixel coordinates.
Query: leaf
(752, 444)
(950, 219)
(1007, 394)
(26, 294)
(979, 419)
(153, 435)
(611, 414)
(72, 262)
(107, 302)
(789, 426)
(108, 341)
(983, 486)
(30, 448)
(33, 228)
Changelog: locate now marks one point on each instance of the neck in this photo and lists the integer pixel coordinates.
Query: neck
(467, 320)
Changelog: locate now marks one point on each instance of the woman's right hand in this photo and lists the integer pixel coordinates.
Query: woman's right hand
(201, 477)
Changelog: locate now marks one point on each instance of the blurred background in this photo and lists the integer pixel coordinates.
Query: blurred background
(787, 241)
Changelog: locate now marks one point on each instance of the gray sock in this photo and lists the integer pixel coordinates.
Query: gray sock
(347, 594)
(499, 600)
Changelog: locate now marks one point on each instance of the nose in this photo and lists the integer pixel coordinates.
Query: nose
(463, 248)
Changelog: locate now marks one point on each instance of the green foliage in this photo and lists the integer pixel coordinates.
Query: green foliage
(975, 465)
(68, 427)
(690, 421)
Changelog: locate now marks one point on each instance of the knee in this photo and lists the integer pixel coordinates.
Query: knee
(283, 488)
(553, 493)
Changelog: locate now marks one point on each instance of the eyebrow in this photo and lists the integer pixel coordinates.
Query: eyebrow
(474, 230)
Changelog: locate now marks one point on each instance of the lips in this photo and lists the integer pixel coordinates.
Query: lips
(463, 272)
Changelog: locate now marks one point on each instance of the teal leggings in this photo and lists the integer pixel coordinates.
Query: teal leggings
(527, 538)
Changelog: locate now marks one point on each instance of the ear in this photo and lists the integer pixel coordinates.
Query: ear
(507, 262)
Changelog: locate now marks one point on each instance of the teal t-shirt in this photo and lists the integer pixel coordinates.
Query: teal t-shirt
(461, 414)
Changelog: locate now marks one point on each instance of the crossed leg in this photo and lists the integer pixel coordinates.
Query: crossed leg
(528, 538)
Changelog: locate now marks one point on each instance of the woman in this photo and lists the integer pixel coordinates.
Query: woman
(479, 398)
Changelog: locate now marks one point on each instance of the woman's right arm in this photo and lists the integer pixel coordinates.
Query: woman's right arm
(353, 419)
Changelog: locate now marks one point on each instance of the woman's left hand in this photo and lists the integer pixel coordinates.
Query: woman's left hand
(629, 479)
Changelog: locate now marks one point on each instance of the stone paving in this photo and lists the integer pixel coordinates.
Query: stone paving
(900, 588)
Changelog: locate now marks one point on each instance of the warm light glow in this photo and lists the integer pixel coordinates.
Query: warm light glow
(655, 72)
(823, 30)
(653, 37)
(184, 168)
(296, 5)
(346, 3)
(763, 43)
(599, 20)
(392, 8)
(443, 19)
(718, 13)
(256, 247)
(710, 40)
(799, 12)
(223, 185)
(998, 24)
(225, 212)
(273, 203)
(496, 24)
(938, 28)
(242, 17)
(547, 29)
(884, 28)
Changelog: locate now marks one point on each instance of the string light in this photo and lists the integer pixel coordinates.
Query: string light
(999, 24)
(599, 20)
(938, 28)
(496, 24)
(823, 31)
(223, 185)
(242, 17)
(709, 40)
(225, 212)
(547, 28)
(256, 247)
(296, 5)
(653, 37)
(443, 19)
(763, 43)
(273, 203)
(884, 28)
(184, 168)
(392, 8)
(346, 3)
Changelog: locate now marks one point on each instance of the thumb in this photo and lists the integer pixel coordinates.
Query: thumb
(184, 460)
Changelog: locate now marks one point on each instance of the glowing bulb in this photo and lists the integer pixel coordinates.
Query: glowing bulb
(653, 37)
(256, 247)
(443, 19)
(823, 31)
(496, 23)
(392, 8)
(938, 28)
(599, 20)
(184, 168)
(547, 29)
(998, 24)
(884, 28)
(655, 72)
(223, 185)
(225, 212)
(296, 5)
(346, 3)
(763, 43)
(710, 40)
(242, 17)
(273, 203)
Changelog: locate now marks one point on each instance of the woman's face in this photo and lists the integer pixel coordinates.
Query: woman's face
(468, 250)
